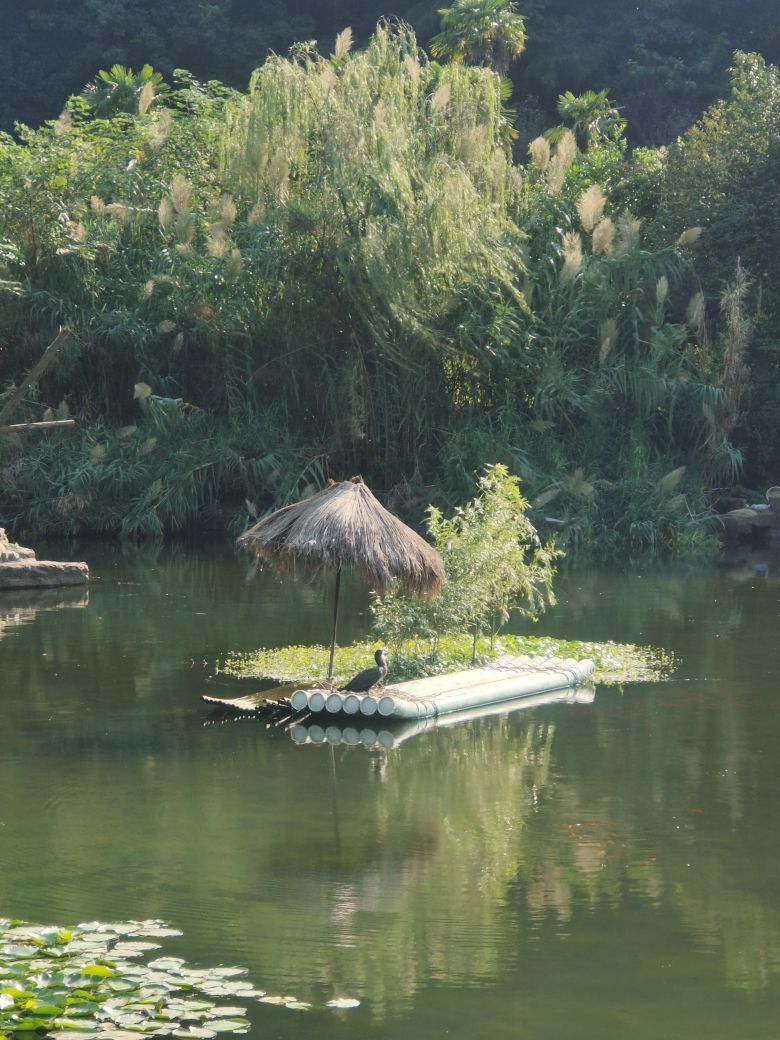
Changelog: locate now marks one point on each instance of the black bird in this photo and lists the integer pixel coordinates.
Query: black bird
(364, 680)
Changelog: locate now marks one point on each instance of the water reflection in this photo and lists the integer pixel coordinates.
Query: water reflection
(22, 606)
(508, 854)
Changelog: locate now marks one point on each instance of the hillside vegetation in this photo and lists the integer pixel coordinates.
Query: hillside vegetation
(355, 266)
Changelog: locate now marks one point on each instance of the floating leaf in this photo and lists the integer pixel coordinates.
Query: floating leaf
(98, 971)
(47, 1010)
(342, 1003)
(102, 995)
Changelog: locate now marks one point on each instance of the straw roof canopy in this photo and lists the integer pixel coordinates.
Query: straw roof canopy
(345, 526)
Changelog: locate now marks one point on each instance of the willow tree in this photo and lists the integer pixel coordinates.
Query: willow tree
(379, 191)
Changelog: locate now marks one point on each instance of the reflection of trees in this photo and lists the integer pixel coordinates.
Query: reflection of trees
(662, 804)
(157, 623)
(427, 859)
(440, 861)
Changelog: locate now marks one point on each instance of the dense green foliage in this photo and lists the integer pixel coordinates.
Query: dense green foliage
(495, 564)
(345, 270)
(664, 62)
(724, 174)
(490, 33)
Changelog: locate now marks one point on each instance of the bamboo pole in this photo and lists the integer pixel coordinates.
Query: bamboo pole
(35, 372)
(48, 425)
(335, 624)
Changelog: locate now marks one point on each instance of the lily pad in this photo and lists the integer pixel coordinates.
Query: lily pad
(343, 1003)
(98, 971)
(90, 983)
(133, 948)
(166, 963)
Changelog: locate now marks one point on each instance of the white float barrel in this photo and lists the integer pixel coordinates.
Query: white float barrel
(351, 705)
(300, 700)
(316, 700)
(334, 703)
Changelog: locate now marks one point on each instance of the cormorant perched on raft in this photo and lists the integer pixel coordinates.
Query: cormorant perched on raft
(364, 680)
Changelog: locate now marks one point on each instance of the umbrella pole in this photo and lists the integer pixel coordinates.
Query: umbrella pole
(335, 624)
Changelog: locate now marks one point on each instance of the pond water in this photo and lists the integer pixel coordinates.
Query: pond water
(603, 870)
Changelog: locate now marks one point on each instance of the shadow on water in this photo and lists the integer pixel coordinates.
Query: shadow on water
(569, 870)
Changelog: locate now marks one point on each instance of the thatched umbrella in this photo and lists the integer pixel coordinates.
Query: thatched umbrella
(345, 526)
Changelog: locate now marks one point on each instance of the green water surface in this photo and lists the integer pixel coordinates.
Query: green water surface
(605, 870)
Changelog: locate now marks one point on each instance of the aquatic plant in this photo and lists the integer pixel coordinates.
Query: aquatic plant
(495, 563)
(91, 982)
(616, 663)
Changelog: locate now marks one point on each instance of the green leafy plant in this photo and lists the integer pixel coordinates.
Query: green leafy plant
(481, 32)
(495, 565)
(91, 981)
(121, 90)
(591, 116)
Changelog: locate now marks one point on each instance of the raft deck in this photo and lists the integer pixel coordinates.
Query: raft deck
(508, 679)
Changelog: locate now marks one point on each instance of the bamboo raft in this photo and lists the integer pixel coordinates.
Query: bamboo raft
(507, 680)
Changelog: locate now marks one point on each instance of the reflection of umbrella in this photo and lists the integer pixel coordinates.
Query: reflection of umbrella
(345, 526)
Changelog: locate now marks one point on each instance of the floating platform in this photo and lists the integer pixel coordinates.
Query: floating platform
(387, 734)
(507, 679)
